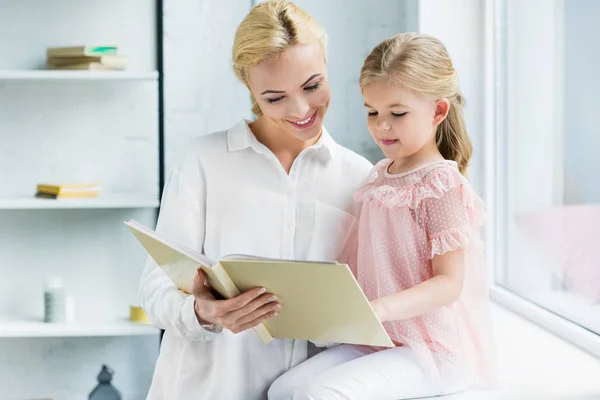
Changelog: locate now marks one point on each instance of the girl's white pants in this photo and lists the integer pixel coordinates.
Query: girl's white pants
(359, 373)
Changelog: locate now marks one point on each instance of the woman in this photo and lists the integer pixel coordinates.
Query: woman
(276, 187)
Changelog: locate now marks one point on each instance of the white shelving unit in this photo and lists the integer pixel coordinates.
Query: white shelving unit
(37, 329)
(76, 76)
(67, 127)
(102, 201)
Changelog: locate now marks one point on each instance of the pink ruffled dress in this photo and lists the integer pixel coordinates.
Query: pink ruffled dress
(406, 220)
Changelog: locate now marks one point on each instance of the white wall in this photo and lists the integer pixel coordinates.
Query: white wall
(582, 87)
(202, 94)
(459, 25)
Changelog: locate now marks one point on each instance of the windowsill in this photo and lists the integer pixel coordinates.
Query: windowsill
(572, 306)
(536, 364)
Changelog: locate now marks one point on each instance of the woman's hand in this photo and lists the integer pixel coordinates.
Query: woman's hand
(236, 314)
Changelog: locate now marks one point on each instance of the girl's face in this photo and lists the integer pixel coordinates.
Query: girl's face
(292, 90)
(403, 123)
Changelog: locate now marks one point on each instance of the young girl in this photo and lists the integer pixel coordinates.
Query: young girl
(418, 254)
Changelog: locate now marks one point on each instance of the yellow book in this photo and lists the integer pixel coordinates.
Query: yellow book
(87, 66)
(110, 60)
(76, 190)
(322, 301)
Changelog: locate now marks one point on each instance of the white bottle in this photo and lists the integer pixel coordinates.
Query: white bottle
(54, 301)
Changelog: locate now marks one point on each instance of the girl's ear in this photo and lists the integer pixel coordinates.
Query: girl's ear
(442, 107)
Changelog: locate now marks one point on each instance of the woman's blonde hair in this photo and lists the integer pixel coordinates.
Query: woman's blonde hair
(269, 29)
(421, 63)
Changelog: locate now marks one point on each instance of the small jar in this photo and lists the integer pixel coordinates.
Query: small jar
(54, 301)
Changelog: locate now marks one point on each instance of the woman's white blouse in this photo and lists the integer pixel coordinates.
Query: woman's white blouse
(229, 194)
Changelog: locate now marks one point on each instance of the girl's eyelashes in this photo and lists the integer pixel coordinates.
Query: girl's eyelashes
(373, 113)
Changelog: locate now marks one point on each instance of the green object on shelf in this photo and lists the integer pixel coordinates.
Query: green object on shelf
(105, 390)
(103, 50)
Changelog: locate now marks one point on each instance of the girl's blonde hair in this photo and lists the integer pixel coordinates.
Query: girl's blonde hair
(421, 63)
(269, 29)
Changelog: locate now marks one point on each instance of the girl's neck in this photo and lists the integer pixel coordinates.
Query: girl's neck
(428, 154)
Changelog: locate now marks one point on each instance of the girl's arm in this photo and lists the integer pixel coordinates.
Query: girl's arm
(442, 289)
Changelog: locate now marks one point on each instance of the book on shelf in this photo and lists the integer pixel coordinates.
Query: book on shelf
(91, 66)
(321, 300)
(52, 191)
(88, 58)
(110, 60)
(80, 51)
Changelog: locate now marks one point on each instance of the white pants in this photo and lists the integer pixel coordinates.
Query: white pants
(351, 372)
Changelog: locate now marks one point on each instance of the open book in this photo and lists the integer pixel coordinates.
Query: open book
(321, 300)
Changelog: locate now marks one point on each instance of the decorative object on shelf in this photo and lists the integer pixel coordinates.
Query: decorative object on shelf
(48, 191)
(88, 58)
(137, 314)
(105, 390)
(55, 303)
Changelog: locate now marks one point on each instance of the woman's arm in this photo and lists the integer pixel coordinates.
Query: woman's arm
(182, 219)
(442, 289)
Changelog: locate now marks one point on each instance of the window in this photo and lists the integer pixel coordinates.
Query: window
(547, 155)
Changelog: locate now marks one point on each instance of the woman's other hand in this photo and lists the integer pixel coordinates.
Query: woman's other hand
(236, 314)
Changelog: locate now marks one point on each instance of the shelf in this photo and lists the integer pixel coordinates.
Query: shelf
(32, 328)
(51, 75)
(102, 201)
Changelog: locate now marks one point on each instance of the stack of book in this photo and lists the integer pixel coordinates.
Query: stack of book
(49, 191)
(88, 58)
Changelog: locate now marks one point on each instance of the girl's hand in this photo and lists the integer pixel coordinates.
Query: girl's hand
(378, 308)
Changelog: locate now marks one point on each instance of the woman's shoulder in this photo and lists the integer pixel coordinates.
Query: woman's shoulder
(352, 160)
(348, 159)
(213, 143)
(348, 162)
(196, 152)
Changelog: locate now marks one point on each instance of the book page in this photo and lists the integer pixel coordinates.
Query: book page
(204, 260)
(242, 257)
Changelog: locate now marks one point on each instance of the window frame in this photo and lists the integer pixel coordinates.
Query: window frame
(495, 182)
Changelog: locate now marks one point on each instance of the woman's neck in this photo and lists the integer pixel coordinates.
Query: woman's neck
(283, 145)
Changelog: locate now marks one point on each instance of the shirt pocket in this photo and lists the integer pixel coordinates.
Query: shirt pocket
(331, 229)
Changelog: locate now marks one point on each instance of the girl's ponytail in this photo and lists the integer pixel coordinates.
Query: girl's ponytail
(452, 138)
